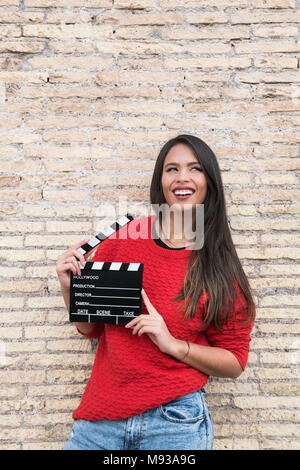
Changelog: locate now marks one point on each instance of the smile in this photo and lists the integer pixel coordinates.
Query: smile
(183, 193)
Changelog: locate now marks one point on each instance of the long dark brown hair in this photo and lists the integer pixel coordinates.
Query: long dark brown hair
(213, 269)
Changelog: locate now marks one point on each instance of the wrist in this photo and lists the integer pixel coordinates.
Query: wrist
(179, 349)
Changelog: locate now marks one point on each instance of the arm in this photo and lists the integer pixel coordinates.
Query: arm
(210, 360)
(66, 263)
(226, 357)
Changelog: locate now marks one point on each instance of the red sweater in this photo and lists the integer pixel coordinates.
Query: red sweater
(130, 374)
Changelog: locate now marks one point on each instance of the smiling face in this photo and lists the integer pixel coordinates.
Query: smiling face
(183, 181)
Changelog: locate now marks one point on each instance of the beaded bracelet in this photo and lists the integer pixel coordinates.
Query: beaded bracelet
(187, 353)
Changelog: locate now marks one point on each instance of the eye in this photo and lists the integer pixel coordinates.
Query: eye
(197, 168)
(170, 169)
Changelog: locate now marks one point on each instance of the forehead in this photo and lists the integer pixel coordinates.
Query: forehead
(180, 153)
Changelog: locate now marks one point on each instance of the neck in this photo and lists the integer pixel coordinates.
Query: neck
(176, 229)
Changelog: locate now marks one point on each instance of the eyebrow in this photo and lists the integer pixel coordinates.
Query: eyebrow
(191, 163)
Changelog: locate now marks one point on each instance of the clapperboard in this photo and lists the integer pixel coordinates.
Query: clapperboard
(106, 292)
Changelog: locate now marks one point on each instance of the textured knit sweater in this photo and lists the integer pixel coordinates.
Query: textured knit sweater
(130, 374)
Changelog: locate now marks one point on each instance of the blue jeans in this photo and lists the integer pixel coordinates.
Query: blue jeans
(183, 423)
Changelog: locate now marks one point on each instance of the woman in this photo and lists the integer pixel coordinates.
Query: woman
(146, 387)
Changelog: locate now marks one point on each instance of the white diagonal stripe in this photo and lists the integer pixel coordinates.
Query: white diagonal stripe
(133, 266)
(122, 220)
(108, 231)
(94, 242)
(97, 265)
(115, 266)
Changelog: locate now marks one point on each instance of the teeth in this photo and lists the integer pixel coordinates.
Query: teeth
(182, 192)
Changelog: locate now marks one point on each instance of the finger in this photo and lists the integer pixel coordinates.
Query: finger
(141, 325)
(70, 267)
(73, 261)
(79, 257)
(135, 321)
(149, 306)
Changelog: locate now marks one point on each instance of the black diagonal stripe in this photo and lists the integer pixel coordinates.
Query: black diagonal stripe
(106, 266)
(86, 247)
(124, 266)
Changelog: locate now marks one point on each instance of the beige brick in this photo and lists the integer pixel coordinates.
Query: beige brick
(49, 331)
(135, 32)
(62, 359)
(269, 253)
(67, 3)
(11, 272)
(265, 194)
(54, 390)
(280, 299)
(68, 226)
(283, 239)
(11, 332)
(63, 403)
(63, 376)
(23, 47)
(22, 347)
(274, 31)
(11, 242)
(267, 77)
(263, 283)
(205, 32)
(274, 3)
(131, 18)
(21, 317)
(265, 402)
(245, 444)
(21, 227)
(134, 4)
(257, 47)
(21, 195)
(12, 302)
(209, 62)
(222, 4)
(22, 255)
(275, 374)
(280, 209)
(280, 444)
(45, 302)
(73, 62)
(280, 164)
(132, 122)
(293, 313)
(47, 419)
(248, 17)
(282, 269)
(266, 224)
(21, 376)
(64, 31)
(11, 16)
(128, 47)
(206, 18)
(64, 196)
(276, 62)
(22, 286)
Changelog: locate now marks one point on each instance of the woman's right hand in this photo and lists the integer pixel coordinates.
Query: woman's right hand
(68, 261)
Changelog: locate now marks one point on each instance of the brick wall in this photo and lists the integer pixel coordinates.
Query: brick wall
(89, 92)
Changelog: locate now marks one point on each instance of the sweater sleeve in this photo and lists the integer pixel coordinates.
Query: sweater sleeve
(95, 333)
(235, 335)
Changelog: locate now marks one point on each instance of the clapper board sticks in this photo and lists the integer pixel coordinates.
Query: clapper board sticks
(106, 292)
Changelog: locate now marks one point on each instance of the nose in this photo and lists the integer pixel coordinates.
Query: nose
(182, 175)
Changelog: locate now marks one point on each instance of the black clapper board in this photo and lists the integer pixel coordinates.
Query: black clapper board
(106, 292)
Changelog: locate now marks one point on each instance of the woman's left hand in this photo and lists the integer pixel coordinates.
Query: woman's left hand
(154, 326)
